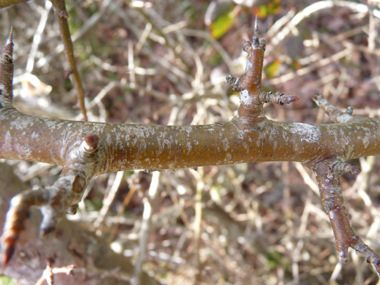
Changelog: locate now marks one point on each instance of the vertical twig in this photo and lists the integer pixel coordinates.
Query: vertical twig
(62, 16)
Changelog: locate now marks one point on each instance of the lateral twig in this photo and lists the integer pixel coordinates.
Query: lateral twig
(327, 173)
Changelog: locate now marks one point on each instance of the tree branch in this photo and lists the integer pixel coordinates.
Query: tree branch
(86, 149)
(327, 174)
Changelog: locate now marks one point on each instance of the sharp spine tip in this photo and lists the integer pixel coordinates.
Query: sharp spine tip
(10, 37)
(256, 27)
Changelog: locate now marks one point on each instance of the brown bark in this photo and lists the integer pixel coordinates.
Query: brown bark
(123, 147)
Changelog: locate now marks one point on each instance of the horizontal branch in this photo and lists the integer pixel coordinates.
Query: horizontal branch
(127, 147)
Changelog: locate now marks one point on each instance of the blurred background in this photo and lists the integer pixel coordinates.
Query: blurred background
(165, 62)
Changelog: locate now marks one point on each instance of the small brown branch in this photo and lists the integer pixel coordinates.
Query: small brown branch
(62, 16)
(327, 174)
(63, 196)
(96, 262)
(252, 95)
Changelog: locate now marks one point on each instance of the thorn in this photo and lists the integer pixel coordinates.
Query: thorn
(256, 27)
(10, 37)
(255, 40)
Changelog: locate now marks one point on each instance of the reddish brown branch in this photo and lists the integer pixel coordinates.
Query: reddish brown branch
(333, 202)
(252, 95)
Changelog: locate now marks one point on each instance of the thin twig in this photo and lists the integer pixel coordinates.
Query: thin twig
(62, 15)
